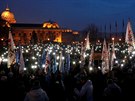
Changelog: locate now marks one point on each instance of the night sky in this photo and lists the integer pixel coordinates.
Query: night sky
(74, 14)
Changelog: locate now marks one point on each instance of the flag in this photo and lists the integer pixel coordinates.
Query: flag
(21, 61)
(113, 55)
(61, 63)
(43, 57)
(87, 42)
(105, 58)
(82, 56)
(11, 51)
(47, 62)
(91, 57)
(129, 39)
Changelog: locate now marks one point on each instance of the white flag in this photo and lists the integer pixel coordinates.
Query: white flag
(11, 51)
(129, 39)
(91, 57)
(113, 55)
(87, 42)
(82, 56)
(61, 63)
(105, 58)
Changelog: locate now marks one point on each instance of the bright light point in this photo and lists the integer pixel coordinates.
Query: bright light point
(57, 63)
(5, 60)
(36, 63)
(35, 66)
(74, 63)
(80, 62)
(53, 53)
(32, 66)
(133, 52)
(33, 57)
(87, 54)
(113, 39)
(90, 68)
(130, 57)
(63, 58)
(116, 61)
(27, 59)
(123, 60)
(57, 57)
(99, 67)
(119, 39)
(122, 65)
(27, 51)
(43, 65)
(24, 69)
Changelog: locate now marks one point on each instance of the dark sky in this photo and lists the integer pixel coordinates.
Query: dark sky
(74, 14)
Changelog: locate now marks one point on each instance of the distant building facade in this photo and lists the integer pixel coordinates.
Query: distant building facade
(49, 31)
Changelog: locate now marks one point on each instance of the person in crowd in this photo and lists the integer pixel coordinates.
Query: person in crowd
(86, 91)
(112, 92)
(36, 93)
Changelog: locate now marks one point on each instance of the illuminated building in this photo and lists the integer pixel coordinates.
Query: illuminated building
(49, 31)
(8, 16)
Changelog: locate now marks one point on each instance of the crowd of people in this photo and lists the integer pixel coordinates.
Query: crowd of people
(77, 85)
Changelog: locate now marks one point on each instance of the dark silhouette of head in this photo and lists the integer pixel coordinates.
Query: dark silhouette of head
(36, 84)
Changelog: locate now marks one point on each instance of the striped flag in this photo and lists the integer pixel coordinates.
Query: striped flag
(129, 39)
(61, 63)
(87, 42)
(113, 55)
(105, 58)
(11, 51)
(82, 56)
(91, 57)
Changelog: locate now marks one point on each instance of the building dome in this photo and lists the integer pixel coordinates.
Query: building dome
(50, 24)
(8, 16)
